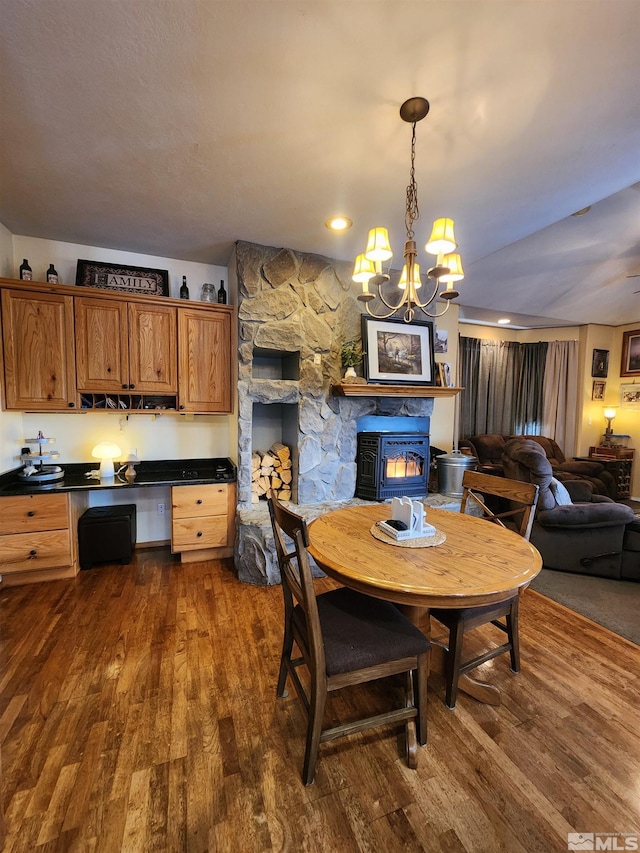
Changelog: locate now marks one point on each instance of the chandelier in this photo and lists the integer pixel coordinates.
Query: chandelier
(368, 269)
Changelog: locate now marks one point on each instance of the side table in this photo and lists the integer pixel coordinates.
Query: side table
(617, 460)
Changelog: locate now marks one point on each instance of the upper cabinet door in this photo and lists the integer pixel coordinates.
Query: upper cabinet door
(39, 360)
(153, 361)
(102, 358)
(204, 361)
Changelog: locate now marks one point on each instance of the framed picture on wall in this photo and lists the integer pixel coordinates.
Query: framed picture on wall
(600, 363)
(630, 365)
(598, 390)
(398, 353)
(630, 396)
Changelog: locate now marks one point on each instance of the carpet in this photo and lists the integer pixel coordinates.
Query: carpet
(614, 604)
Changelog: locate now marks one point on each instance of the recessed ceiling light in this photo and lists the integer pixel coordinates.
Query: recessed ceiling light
(504, 320)
(582, 211)
(338, 223)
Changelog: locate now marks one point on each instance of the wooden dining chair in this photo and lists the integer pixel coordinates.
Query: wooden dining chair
(344, 638)
(517, 508)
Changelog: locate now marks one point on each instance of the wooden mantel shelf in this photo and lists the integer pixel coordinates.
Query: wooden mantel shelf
(352, 389)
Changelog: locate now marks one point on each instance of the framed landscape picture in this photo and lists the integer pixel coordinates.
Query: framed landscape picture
(630, 365)
(150, 282)
(398, 353)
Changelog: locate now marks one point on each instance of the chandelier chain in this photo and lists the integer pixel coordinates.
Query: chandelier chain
(412, 213)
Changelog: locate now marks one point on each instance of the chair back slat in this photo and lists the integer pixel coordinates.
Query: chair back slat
(295, 572)
(523, 494)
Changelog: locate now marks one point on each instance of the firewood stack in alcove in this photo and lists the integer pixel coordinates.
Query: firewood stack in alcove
(271, 473)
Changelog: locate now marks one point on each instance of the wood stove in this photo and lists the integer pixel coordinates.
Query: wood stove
(391, 465)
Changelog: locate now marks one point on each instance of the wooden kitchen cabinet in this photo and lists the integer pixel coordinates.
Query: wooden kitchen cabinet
(37, 537)
(204, 361)
(203, 521)
(39, 351)
(69, 348)
(126, 346)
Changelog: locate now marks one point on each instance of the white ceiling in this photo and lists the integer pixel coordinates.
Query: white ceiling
(175, 127)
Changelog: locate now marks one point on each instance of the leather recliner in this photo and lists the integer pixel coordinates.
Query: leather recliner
(586, 536)
(488, 450)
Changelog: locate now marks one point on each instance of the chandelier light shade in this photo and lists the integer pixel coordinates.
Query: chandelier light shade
(368, 269)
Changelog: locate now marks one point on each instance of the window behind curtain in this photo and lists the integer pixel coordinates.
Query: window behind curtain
(503, 382)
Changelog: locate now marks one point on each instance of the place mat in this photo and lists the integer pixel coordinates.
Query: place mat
(419, 542)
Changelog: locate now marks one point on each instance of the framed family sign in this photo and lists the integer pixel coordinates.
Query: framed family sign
(398, 353)
(150, 282)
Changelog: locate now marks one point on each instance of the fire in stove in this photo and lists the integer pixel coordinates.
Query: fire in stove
(405, 465)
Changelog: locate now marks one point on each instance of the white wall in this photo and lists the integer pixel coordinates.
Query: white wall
(10, 422)
(160, 436)
(64, 256)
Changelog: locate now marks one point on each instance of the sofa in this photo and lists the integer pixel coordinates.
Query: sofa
(488, 450)
(578, 532)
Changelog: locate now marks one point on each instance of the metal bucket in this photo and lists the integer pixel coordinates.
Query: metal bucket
(451, 468)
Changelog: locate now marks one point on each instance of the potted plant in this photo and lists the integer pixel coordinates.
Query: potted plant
(351, 355)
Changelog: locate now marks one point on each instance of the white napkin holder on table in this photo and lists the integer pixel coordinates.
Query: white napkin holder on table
(413, 515)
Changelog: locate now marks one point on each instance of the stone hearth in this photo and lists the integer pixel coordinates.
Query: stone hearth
(298, 308)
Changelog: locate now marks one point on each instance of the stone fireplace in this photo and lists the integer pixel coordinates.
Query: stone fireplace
(294, 312)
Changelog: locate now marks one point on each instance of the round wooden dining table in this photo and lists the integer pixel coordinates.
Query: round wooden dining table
(478, 563)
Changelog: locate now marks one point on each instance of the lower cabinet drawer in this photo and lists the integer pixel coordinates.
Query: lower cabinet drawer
(190, 534)
(24, 513)
(204, 500)
(28, 552)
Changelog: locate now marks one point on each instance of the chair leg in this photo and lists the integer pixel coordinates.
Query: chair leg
(287, 648)
(514, 635)
(314, 730)
(421, 675)
(452, 664)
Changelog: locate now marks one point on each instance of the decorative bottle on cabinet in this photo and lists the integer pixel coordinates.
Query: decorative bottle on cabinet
(222, 295)
(52, 275)
(184, 290)
(25, 271)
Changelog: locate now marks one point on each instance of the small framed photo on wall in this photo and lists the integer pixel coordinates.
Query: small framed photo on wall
(598, 390)
(600, 363)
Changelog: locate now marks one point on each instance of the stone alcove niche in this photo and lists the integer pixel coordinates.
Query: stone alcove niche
(294, 312)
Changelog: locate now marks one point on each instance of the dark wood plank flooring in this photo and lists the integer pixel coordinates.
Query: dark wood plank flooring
(138, 713)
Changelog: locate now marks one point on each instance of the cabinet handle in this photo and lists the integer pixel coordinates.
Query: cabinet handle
(199, 533)
(72, 405)
(32, 553)
(132, 385)
(182, 407)
(199, 501)
(124, 386)
(31, 513)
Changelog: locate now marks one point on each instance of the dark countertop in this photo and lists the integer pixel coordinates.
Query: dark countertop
(171, 472)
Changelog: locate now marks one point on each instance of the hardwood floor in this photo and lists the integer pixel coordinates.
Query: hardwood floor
(138, 713)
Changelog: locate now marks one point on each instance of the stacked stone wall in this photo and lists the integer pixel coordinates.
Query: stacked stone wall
(292, 302)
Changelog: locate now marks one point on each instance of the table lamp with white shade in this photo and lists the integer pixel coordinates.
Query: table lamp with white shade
(106, 451)
(609, 412)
